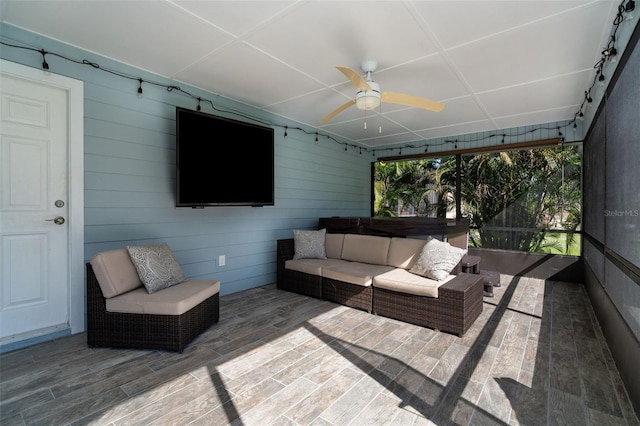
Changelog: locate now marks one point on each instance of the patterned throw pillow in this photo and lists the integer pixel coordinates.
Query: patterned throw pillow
(309, 244)
(437, 259)
(156, 266)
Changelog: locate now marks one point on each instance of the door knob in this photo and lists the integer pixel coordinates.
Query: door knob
(59, 220)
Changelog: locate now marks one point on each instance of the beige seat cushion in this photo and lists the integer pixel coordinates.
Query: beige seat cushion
(175, 300)
(404, 252)
(115, 272)
(366, 248)
(333, 245)
(311, 266)
(355, 272)
(403, 281)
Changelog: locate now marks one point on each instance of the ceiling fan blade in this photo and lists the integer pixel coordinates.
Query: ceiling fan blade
(338, 111)
(409, 100)
(358, 82)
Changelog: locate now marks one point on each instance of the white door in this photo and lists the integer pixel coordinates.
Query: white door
(35, 267)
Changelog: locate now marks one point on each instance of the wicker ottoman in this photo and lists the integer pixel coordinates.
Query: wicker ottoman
(491, 277)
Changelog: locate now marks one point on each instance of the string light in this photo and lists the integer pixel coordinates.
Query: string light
(45, 65)
(285, 131)
(630, 6)
(140, 88)
(198, 107)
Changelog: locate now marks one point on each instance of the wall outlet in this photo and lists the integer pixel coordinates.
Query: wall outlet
(222, 260)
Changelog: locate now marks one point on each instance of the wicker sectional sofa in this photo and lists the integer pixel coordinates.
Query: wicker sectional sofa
(371, 273)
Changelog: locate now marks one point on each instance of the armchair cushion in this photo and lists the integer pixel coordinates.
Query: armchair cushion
(115, 272)
(173, 301)
(156, 266)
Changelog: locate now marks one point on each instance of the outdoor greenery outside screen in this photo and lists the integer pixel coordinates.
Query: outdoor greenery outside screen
(222, 162)
(523, 200)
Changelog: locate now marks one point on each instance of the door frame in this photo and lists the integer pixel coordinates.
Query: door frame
(75, 178)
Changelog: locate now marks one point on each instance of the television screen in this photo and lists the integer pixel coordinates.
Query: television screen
(222, 162)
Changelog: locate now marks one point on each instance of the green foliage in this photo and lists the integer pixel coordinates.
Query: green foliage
(404, 186)
(513, 198)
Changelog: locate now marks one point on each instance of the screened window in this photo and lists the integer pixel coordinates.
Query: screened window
(524, 200)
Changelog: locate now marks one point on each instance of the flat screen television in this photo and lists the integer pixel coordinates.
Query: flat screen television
(222, 162)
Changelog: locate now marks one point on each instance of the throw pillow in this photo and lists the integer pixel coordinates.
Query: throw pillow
(309, 244)
(156, 266)
(437, 259)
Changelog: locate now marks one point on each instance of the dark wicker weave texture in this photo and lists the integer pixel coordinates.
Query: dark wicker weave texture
(298, 282)
(457, 306)
(144, 331)
(352, 295)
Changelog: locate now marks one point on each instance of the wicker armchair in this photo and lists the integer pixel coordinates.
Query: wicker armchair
(145, 330)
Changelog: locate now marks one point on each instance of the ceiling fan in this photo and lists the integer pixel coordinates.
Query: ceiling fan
(369, 96)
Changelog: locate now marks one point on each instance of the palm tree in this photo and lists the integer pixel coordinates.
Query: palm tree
(403, 187)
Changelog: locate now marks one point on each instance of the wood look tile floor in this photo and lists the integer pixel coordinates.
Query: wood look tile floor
(536, 356)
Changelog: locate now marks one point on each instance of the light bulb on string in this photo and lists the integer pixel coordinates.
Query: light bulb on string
(45, 65)
(140, 88)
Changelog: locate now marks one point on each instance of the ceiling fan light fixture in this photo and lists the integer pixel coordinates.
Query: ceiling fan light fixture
(368, 99)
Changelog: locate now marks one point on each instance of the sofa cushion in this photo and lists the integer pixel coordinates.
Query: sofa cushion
(156, 266)
(333, 245)
(174, 300)
(115, 272)
(404, 252)
(366, 248)
(311, 266)
(354, 272)
(309, 244)
(437, 259)
(403, 281)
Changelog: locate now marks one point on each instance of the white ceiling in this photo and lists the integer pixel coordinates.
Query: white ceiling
(495, 64)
